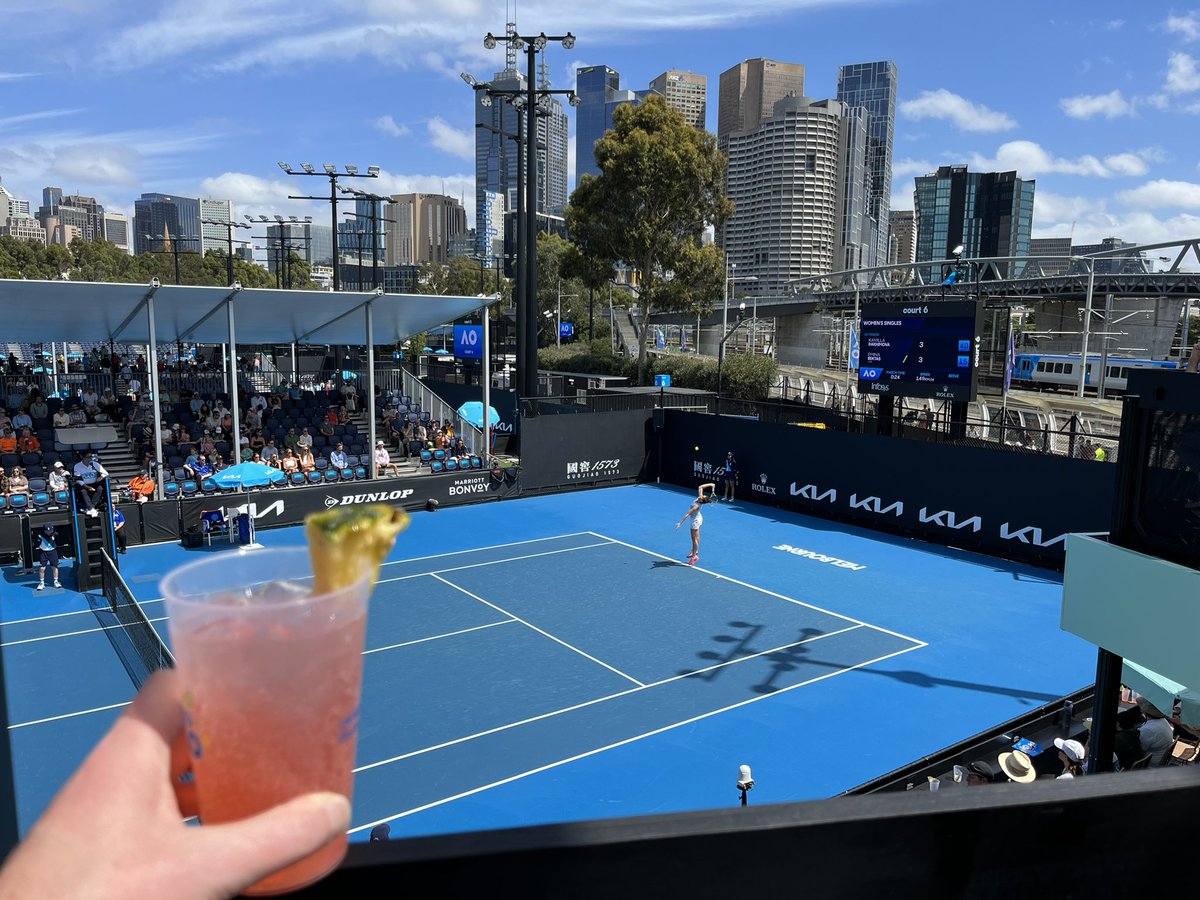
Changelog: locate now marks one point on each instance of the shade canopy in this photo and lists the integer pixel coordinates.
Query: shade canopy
(1163, 692)
(87, 312)
(472, 411)
(248, 475)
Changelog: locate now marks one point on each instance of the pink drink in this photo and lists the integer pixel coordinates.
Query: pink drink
(272, 678)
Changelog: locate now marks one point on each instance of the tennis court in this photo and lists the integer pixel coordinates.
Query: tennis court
(554, 659)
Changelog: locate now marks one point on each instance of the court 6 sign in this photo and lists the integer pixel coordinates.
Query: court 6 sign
(468, 341)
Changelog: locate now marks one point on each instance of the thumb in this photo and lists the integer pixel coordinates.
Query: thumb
(240, 853)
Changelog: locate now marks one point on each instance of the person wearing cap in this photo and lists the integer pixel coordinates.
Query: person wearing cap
(118, 518)
(1018, 767)
(57, 479)
(1157, 734)
(49, 556)
(979, 772)
(383, 460)
(1072, 755)
(381, 832)
(89, 481)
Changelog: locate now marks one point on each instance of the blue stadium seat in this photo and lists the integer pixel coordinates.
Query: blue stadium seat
(314, 477)
(36, 484)
(62, 499)
(321, 463)
(208, 486)
(437, 467)
(189, 488)
(360, 473)
(346, 474)
(171, 490)
(31, 459)
(331, 475)
(452, 465)
(476, 462)
(296, 478)
(439, 455)
(426, 457)
(40, 500)
(4, 504)
(18, 503)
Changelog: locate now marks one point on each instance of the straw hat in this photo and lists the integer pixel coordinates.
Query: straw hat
(1149, 709)
(1018, 766)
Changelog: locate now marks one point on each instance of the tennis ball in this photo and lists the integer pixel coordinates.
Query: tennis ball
(697, 448)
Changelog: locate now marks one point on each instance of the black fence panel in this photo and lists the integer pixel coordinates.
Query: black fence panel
(573, 451)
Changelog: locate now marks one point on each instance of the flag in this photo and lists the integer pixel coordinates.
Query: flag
(951, 278)
(682, 338)
(1010, 359)
(853, 347)
(660, 340)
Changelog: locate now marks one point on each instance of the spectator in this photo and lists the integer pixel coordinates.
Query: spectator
(1156, 734)
(38, 409)
(61, 418)
(257, 443)
(326, 428)
(1071, 754)
(448, 429)
(207, 446)
(57, 479)
(291, 440)
(195, 404)
(331, 415)
(383, 461)
(304, 441)
(5, 421)
(1018, 767)
(258, 402)
(270, 455)
(979, 772)
(134, 385)
(212, 421)
(440, 441)
(337, 458)
(90, 398)
(203, 468)
(21, 420)
(189, 464)
(8, 441)
(141, 486)
(89, 482)
(77, 416)
(421, 433)
(17, 482)
(253, 420)
(3, 483)
(289, 463)
(343, 417)
(307, 463)
(350, 397)
(459, 448)
(119, 530)
(28, 442)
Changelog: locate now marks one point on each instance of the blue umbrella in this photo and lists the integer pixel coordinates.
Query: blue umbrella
(473, 413)
(248, 475)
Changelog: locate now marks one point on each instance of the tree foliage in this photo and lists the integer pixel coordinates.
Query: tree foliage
(660, 184)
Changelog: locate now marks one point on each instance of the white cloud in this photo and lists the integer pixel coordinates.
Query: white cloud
(968, 116)
(1182, 74)
(7, 123)
(911, 167)
(1029, 160)
(1187, 26)
(389, 126)
(1114, 25)
(1112, 105)
(450, 139)
(1163, 194)
(15, 76)
(1090, 220)
(104, 164)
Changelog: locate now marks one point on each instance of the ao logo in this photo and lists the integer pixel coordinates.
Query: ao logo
(869, 374)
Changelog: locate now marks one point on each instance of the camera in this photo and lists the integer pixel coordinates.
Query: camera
(154, 282)
(744, 782)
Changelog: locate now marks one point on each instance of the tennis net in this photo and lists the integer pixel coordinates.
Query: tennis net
(134, 637)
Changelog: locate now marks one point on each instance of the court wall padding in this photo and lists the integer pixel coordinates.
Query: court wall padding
(588, 450)
(1013, 505)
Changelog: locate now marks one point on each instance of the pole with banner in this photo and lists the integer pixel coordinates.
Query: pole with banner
(852, 355)
(1010, 363)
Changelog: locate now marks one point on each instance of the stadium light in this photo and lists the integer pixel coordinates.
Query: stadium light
(331, 172)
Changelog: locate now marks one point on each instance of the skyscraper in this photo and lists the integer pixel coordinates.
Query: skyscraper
(92, 215)
(873, 86)
(747, 94)
(360, 232)
(422, 228)
(496, 159)
(215, 237)
(686, 92)
(903, 229)
(988, 213)
(312, 243)
(156, 214)
(599, 91)
(116, 230)
(787, 178)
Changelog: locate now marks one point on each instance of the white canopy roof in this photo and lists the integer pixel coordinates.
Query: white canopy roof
(36, 311)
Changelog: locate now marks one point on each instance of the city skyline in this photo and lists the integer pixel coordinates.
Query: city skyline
(1099, 118)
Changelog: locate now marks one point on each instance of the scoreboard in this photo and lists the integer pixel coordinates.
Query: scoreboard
(928, 349)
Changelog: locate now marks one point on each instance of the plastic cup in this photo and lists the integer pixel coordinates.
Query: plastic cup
(271, 682)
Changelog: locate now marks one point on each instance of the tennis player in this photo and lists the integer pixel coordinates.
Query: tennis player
(697, 518)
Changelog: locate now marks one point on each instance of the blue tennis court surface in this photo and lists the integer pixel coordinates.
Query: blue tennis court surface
(554, 659)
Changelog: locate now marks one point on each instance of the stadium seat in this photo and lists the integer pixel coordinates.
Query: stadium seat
(296, 478)
(360, 473)
(4, 504)
(451, 465)
(439, 455)
(426, 457)
(346, 474)
(8, 460)
(331, 475)
(62, 498)
(31, 459)
(40, 500)
(18, 503)
(476, 462)
(314, 477)
(437, 467)
(189, 488)
(208, 486)
(321, 463)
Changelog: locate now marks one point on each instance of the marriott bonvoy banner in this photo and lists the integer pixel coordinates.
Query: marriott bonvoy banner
(1014, 505)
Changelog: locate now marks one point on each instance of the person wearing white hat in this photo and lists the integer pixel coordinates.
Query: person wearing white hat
(383, 460)
(1157, 734)
(1072, 755)
(1018, 767)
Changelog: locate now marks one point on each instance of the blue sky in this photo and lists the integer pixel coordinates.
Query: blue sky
(1099, 101)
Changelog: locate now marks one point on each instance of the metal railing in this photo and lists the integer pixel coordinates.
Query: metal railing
(438, 409)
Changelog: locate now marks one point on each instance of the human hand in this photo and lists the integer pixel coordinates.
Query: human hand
(130, 787)
(677, 524)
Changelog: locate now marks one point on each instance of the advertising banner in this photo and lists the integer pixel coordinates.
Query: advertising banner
(585, 449)
(1014, 505)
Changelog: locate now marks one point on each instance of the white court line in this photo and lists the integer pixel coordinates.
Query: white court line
(621, 743)
(82, 712)
(489, 547)
(544, 634)
(437, 637)
(566, 709)
(78, 612)
(493, 562)
(765, 591)
(51, 637)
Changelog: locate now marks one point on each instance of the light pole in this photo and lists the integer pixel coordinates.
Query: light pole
(331, 172)
(536, 101)
(375, 218)
(174, 249)
(284, 246)
(561, 295)
(228, 226)
(721, 349)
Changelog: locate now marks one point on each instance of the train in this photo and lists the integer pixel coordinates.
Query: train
(1051, 372)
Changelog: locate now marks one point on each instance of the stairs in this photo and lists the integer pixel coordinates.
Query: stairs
(92, 537)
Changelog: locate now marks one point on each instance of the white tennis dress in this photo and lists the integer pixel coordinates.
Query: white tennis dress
(697, 520)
